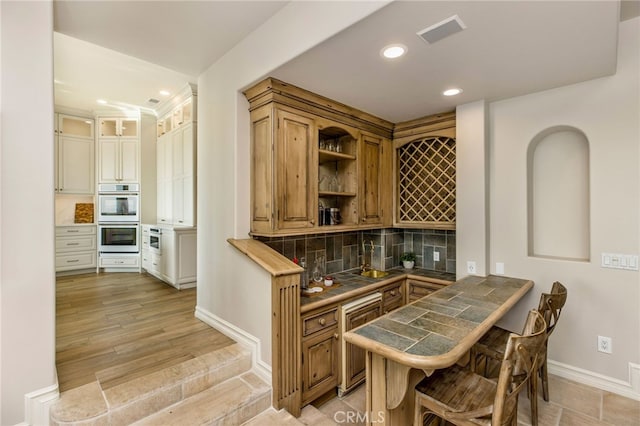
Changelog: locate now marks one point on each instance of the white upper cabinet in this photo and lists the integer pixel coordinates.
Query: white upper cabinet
(118, 127)
(74, 155)
(176, 165)
(119, 150)
(80, 127)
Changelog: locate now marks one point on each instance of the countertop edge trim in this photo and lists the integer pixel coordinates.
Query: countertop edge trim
(269, 260)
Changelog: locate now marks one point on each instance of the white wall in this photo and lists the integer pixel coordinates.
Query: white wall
(228, 288)
(27, 283)
(472, 193)
(601, 301)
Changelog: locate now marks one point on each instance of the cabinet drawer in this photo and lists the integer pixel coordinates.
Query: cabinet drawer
(392, 298)
(418, 289)
(127, 262)
(75, 230)
(68, 262)
(80, 243)
(319, 322)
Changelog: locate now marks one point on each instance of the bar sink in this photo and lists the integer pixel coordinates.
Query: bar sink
(374, 273)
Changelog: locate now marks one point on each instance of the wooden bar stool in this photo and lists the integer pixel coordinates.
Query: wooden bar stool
(492, 345)
(462, 397)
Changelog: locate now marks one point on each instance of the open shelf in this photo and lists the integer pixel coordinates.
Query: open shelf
(325, 156)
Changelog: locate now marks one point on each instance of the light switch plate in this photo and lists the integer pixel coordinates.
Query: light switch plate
(436, 256)
(628, 262)
(499, 268)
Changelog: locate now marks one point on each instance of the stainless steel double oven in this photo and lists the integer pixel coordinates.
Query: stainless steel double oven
(118, 218)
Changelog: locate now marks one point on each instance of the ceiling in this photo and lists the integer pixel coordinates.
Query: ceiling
(507, 49)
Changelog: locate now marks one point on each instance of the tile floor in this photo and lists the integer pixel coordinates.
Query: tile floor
(571, 404)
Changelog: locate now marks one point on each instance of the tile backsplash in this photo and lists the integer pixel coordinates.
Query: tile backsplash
(342, 251)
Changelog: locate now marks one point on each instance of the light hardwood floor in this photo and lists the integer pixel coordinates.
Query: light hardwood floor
(114, 327)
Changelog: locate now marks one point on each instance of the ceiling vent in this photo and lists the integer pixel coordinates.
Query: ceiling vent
(442, 29)
(152, 101)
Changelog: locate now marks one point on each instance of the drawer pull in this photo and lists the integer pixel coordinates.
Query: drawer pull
(73, 261)
(393, 292)
(73, 244)
(72, 230)
(322, 321)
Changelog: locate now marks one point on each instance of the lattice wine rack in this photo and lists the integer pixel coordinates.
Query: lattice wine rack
(427, 182)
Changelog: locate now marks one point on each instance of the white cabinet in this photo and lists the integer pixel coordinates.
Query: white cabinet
(175, 261)
(75, 247)
(74, 155)
(119, 151)
(118, 127)
(176, 167)
(164, 180)
(183, 187)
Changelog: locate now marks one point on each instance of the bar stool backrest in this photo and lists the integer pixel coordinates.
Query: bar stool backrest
(519, 363)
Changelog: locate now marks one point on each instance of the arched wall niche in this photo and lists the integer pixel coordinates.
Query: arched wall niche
(558, 198)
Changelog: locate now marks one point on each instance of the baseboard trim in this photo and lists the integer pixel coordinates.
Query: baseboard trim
(243, 338)
(630, 389)
(37, 404)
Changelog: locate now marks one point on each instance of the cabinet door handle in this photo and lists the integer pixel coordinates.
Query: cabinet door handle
(322, 321)
(312, 221)
(364, 219)
(335, 336)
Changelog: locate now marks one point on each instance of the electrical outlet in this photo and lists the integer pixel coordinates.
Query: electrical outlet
(605, 345)
(471, 267)
(436, 256)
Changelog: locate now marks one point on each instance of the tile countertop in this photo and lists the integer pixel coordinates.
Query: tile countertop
(353, 284)
(435, 331)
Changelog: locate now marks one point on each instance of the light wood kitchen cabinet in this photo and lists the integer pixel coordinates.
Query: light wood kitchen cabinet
(295, 171)
(320, 354)
(418, 289)
(74, 155)
(307, 152)
(392, 297)
(75, 247)
(375, 196)
(119, 150)
(425, 167)
(355, 356)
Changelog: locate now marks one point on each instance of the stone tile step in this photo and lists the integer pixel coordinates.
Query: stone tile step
(229, 403)
(272, 417)
(143, 396)
(311, 416)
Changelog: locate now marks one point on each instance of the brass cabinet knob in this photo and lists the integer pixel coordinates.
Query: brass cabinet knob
(322, 321)
(393, 292)
(335, 336)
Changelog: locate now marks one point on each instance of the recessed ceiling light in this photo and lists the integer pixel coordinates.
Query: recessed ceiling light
(393, 51)
(452, 92)
(164, 93)
(101, 101)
